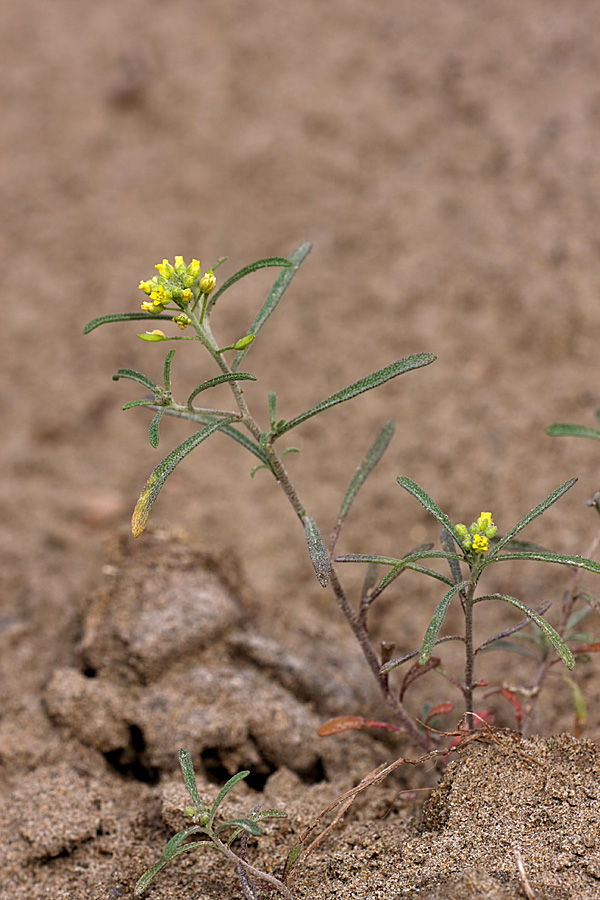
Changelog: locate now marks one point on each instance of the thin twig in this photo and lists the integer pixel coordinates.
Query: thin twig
(523, 875)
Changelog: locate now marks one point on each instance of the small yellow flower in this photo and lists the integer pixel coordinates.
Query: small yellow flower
(480, 543)
(182, 321)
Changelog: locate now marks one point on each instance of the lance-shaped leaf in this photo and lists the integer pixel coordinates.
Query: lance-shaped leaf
(449, 546)
(173, 845)
(132, 403)
(154, 425)
(416, 361)
(124, 317)
(431, 506)
(561, 559)
(167, 369)
(542, 507)
(163, 470)
(573, 431)
(149, 876)
(374, 454)
(317, 551)
(434, 626)
(224, 791)
(276, 293)
(244, 823)
(136, 376)
(189, 778)
(549, 632)
(247, 270)
(397, 563)
(220, 379)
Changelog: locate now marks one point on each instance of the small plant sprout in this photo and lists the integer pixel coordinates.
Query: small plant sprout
(219, 836)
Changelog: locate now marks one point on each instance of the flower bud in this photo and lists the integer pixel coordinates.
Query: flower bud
(208, 282)
(243, 342)
(165, 268)
(153, 336)
(194, 269)
(461, 530)
(491, 531)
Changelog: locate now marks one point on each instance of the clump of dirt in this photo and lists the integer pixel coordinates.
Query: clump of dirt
(169, 653)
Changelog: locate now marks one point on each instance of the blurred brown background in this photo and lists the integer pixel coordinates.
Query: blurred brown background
(443, 158)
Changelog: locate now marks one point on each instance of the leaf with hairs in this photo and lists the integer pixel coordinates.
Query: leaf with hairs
(434, 626)
(545, 627)
(163, 470)
(247, 270)
(167, 369)
(219, 379)
(136, 376)
(189, 778)
(539, 509)
(430, 505)
(276, 293)
(154, 425)
(317, 551)
(374, 454)
(224, 791)
(124, 317)
(573, 431)
(416, 361)
(244, 823)
(173, 845)
(561, 559)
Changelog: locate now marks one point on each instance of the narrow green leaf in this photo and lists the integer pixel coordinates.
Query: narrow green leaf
(269, 814)
(224, 791)
(317, 551)
(573, 431)
(154, 425)
(431, 506)
(547, 630)
(163, 470)
(448, 544)
(374, 454)
(133, 403)
(391, 561)
(149, 876)
(272, 408)
(136, 376)
(292, 859)
(220, 379)
(189, 777)
(279, 288)
(124, 317)
(167, 369)
(542, 507)
(177, 839)
(416, 361)
(561, 559)
(434, 626)
(246, 824)
(247, 270)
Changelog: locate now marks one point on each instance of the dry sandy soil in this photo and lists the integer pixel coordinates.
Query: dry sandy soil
(443, 159)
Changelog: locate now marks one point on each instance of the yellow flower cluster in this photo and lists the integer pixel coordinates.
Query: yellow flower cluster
(176, 283)
(476, 538)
